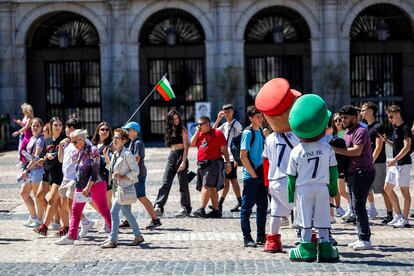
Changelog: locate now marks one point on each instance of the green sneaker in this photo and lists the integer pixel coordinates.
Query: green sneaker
(305, 252)
(327, 253)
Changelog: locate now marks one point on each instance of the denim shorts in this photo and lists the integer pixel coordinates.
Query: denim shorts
(36, 175)
(140, 186)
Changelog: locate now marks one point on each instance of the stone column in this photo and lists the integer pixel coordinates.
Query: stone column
(334, 78)
(228, 61)
(117, 96)
(9, 100)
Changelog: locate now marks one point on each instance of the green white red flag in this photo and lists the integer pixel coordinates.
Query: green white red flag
(164, 88)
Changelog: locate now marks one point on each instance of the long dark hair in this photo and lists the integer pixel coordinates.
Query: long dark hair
(170, 128)
(54, 119)
(96, 138)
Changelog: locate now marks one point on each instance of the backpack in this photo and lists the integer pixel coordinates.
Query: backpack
(235, 144)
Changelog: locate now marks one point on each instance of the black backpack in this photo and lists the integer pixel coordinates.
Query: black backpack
(235, 144)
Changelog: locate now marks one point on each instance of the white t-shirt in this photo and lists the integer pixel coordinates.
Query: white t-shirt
(310, 162)
(69, 160)
(235, 130)
(278, 152)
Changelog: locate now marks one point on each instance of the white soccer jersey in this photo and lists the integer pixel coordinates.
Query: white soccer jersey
(310, 162)
(235, 130)
(278, 152)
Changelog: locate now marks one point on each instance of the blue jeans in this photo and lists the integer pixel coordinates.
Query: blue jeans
(254, 192)
(126, 211)
(359, 184)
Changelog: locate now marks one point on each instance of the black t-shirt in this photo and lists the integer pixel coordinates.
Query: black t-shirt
(375, 130)
(400, 133)
(51, 146)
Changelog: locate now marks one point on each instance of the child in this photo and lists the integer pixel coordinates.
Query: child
(312, 166)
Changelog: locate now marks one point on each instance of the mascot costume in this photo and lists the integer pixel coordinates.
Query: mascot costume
(275, 100)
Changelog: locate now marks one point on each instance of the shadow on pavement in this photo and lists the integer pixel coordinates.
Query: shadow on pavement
(378, 263)
(8, 240)
(391, 248)
(148, 246)
(356, 255)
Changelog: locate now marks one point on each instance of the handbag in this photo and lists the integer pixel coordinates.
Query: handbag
(126, 195)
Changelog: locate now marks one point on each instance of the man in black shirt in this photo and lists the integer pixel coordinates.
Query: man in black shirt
(376, 130)
(398, 173)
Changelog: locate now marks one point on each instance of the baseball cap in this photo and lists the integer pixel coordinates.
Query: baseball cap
(132, 125)
(275, 97)
(309, 116)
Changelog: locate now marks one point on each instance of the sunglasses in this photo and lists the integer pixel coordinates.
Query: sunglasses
(338, 120)
(104, 129)
(200, 124)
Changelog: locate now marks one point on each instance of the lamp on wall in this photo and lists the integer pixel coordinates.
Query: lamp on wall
(383, 30)
(277, 34)
(171, 33)
(63, 39)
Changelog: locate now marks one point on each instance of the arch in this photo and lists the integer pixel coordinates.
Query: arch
(26, 24)
(404, 6)
(306, 13)
(186, 6)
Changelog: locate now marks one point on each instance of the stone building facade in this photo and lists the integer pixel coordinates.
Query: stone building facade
(218, 51)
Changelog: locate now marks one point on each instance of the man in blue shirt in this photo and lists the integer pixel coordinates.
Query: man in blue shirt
(254, 191)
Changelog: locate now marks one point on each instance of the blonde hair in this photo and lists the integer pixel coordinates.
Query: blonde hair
(80, 133)
(27, 108)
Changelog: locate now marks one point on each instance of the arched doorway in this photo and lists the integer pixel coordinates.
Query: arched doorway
(381, 58)
(277, 45)
(172, 42)
(63, 68)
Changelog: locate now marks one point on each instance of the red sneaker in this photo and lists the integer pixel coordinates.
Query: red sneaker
(42, 230)
(273, 244)
(62, 232)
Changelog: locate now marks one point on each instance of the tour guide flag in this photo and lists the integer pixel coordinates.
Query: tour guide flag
(164, 88)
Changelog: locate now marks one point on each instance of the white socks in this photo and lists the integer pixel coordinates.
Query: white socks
(274, 225)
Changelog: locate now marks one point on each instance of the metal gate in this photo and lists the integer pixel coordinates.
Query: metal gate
(261, 69)
(187, 80)
(377, 78)
(73, 90)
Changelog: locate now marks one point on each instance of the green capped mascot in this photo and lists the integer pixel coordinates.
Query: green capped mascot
(312, 179)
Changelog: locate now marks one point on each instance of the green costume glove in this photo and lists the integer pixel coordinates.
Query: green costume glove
(333, 181)
(291, 188)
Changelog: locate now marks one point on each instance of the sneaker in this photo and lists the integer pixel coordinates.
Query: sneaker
(35, 223)
(249, 243)
(412, 215)
(158, 210)
(65, 240)
(362, 245)
(137, 240)
(402, 223)
(55, 226)
(85, 228)
(214, 214)
(42, 230)
(182, 213)
(346, 216)
(200, 213)
(349, 218)
(395, 220)
(352, 244)
(372, 213)
(124, 224)
(284, 221)
(104, 229)
(109, 244)
(386, 220)
(62, 232)
(28, 222)
(154, 224)
(333, 220)
(236, 208)
(261, 240)
(340, 212)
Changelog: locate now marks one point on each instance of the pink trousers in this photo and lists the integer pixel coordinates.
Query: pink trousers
(98, 195)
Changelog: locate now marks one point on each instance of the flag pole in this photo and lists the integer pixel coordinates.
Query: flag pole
(152, 91)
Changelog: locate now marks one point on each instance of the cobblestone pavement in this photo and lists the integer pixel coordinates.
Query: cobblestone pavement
(187, 246)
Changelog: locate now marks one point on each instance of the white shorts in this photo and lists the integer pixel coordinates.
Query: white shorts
(312, 205)
(399, 175)
(67, 189)
(279, 206)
